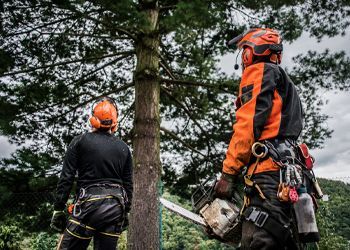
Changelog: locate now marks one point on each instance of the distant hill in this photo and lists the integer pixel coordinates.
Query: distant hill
(334, 215)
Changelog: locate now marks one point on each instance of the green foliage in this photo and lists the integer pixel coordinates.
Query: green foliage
(10, 236)
(122, 242)
(44, 241)
(32, 215)
(333, 217)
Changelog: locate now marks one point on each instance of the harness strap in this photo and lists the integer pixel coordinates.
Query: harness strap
(263, 220)
(251, 183)
(259, 150)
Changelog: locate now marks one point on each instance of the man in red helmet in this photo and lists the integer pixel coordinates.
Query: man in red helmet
(269, 111)
(103, 166)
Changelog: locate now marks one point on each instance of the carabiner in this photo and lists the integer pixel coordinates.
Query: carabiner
(258, 145)
(75, 213)
(82, 193)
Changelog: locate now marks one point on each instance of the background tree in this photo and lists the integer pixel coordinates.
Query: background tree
(59, 56)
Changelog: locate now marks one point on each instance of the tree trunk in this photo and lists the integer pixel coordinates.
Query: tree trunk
(144, 223)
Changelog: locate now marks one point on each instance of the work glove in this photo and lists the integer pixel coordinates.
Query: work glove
(58, 221)
(224, 187)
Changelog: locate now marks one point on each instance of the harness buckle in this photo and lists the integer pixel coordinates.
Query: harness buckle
(260, 221)
(258, 217)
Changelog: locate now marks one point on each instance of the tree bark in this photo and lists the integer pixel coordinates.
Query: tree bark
(144, 222)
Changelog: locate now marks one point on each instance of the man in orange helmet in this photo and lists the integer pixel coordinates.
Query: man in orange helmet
(103, 166)
(269, 111)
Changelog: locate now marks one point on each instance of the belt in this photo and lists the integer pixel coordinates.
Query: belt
(263, 220)
(103, 189)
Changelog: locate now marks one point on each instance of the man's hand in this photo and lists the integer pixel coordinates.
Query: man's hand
(223, 188)
(58, 221)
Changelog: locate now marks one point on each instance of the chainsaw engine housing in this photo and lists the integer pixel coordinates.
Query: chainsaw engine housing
(221, 216)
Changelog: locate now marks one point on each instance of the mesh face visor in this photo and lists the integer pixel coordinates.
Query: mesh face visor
(237, 39)
(261, 40)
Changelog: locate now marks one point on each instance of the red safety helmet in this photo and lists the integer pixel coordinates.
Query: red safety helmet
(104, 114)
(259, 42)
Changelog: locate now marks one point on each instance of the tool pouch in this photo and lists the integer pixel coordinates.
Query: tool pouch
(305, 156)
(305, 217)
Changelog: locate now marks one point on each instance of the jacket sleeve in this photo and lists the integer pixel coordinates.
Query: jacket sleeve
(66, 180)
(255, 98)
(127, 179)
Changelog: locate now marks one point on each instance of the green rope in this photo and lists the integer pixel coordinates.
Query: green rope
(160, 192)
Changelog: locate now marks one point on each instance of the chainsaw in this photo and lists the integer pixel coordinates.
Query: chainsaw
(220, 218)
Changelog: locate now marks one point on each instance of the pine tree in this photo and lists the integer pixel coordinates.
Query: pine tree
(159, 60)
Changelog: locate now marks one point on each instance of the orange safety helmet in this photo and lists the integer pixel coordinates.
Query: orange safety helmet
(104, 114)
(259, 42)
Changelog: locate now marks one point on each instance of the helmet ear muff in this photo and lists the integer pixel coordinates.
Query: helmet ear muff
(247, 57)
(95, 122)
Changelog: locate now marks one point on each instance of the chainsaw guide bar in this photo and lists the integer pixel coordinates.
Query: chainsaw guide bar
(182, 212)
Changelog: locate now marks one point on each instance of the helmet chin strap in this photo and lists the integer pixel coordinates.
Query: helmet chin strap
(274, 58)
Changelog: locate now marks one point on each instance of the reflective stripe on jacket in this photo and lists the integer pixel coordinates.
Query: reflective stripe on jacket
(268, 106)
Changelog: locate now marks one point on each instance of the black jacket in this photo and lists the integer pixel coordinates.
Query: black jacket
(268, 107)
(96, 158)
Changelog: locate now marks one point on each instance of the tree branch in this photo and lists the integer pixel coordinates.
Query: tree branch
(189, 115)
(38, 27)
(198, 84)
(174, 136)
(167, 70)
(183, 107)
(118, 29)
(246, 14)
(84, 35)
(66, 62)
(124, 87)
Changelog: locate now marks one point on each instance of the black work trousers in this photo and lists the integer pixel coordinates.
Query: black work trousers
(258, 238)
(99, 219)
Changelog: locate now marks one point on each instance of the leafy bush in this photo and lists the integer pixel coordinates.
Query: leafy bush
(44, 241)
(10, 236)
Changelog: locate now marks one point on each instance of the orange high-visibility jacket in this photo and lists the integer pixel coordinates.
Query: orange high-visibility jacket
(268, 106)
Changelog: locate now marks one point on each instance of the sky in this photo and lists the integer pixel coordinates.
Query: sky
(333, 160)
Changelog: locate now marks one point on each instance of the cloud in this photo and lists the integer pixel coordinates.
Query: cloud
(334, 159)
(6, 148)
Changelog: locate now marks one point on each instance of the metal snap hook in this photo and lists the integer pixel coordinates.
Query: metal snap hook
(259, 147)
